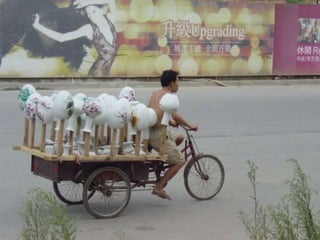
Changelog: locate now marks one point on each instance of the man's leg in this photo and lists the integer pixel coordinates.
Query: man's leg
(170, 173)
(173, 155)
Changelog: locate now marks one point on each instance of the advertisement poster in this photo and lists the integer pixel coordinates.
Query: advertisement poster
(297, 40)
(134, 38)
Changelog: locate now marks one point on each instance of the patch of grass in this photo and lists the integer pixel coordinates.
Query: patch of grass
(292, 219)
(44, 218)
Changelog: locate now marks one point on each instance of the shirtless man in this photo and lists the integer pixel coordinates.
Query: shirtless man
(170, 84)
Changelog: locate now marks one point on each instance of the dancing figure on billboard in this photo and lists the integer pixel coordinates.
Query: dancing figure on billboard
(95, 19)
(100, 31)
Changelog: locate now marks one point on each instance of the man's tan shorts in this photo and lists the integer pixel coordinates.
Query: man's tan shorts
(173, 152)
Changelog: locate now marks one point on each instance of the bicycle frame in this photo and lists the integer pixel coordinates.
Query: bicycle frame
(190, 149)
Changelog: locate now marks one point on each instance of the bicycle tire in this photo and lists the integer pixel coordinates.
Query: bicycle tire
(112, 192)
(204, 177)
(69, 192)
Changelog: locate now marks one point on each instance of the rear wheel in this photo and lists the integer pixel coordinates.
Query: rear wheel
(204, 177)
(112, 192)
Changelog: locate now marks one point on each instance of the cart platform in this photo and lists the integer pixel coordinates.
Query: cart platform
(92, 157)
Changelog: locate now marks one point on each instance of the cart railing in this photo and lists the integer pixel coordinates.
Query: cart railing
(66, 144)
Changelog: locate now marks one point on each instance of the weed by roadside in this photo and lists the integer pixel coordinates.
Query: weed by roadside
(293, 218)
(44, 218)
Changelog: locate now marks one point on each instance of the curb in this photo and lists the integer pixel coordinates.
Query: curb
(119, 83)
(80, 84)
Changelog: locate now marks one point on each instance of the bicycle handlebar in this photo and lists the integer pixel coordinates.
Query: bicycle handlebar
(188, 129)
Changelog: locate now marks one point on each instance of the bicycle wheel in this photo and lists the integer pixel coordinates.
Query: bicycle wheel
(69, 192)
(204, 177)
(112, 192)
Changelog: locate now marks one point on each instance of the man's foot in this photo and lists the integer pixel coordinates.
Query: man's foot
(161, 193)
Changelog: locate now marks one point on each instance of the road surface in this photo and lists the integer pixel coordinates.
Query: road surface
(264, 124)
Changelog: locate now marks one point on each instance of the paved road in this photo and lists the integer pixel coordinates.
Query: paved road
(264, 124)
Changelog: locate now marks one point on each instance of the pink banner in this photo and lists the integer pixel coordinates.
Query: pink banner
(297, 40)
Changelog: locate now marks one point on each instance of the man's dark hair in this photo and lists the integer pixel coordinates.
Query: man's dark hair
(167, 77)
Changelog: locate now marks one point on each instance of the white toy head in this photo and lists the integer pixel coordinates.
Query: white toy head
(63, 105)
(169, 103)
(128, 93)
(31, 105)
(119, 114)
(44, 111)
(24, 94)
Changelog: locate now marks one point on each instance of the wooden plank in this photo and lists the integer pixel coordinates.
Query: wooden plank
(137, 143)
(53, 131)
(96, 138)
(121, 139)
(108, 135)
(71, 140)
(145, 145)
(59, 150)
(82, 158)
(113, 142)
(33, 130)
(43, 137)
(125, 137)
(26, 132)
(86, 143)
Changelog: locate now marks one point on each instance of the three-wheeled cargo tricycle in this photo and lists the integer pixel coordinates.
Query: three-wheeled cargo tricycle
(103, 180)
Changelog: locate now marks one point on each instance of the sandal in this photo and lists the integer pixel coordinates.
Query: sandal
(161, 194)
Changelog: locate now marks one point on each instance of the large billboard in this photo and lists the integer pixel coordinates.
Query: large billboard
(130, 38)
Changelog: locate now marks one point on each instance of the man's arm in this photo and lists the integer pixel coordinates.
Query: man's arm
(181, 121)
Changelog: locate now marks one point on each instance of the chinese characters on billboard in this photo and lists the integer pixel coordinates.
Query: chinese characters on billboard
(198, 38)
(308, 47)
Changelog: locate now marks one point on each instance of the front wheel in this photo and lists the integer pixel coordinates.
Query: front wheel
(112, 192)
(204, 177)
